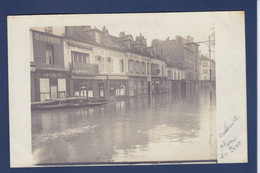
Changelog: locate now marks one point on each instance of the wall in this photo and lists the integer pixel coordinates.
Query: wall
(40, 40)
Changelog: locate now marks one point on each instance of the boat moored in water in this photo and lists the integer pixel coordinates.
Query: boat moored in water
(71, 102)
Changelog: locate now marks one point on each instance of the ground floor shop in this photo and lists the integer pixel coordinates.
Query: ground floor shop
(117, 87)
(98, 86)
(46, 85)
(158, 85)
(88, 88)
(138, 86)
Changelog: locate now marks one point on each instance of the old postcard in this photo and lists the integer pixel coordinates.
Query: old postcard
(127, 89)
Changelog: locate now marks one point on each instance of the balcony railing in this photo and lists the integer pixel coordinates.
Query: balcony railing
(89, 69)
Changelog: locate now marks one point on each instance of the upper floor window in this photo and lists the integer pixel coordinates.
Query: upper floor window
(109, 64)
(49, 55)
(100, 62)
(205, 64)
(80, 58)
(48, 29)
(137, 67)
(148, 68)
(169, 73)
(162, 70)
(121, 65)
(143, 68)
(205, 71)
(130, 66)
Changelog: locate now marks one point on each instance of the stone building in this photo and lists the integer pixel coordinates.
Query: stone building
(85, 61)
(207, 69)
(182, 52)
(49, 79)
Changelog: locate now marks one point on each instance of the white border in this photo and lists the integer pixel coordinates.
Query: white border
(230, 77)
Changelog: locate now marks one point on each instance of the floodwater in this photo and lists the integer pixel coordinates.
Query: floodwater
(169, 127)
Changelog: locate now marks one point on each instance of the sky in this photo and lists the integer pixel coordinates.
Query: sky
(157, 25)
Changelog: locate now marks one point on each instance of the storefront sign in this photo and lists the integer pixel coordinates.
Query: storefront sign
(51, 75)
(47, 39)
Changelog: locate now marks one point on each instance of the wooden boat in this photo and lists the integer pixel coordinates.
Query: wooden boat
(72, 102)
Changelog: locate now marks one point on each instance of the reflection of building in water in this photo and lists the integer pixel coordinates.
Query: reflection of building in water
(127, 128)
(84, 61)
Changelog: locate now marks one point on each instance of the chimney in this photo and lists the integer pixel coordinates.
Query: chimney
(122, 34)
(178, 39)
(105, 31)
(189, 39)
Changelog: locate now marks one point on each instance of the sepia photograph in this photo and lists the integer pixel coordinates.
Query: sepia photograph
(128, 89)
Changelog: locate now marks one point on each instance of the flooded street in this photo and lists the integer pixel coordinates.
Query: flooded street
(168, 127)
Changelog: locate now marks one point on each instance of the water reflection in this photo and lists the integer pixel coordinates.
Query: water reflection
(170, 127)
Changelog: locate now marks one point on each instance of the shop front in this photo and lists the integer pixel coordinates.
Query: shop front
(50, 85)
(138, 86)
(117, 87)
(87, 86)
(158, 85)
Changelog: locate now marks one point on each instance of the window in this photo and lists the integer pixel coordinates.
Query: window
(90, 93)
(44, 89)
(100, 62)
(121, 65)
(49, 55)
(143, 68)
(109, 64)
(169, 74)
(62, 88)
(130, 66)
(84, 58)
(205, 64)
(162, 70)
(148, 68)
(80, 58)
(205, 71)
(137, 67)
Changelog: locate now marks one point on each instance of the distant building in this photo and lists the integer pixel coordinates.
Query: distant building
(180, 51)
(207, 65)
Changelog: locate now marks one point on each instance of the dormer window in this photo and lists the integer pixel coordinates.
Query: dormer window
(97, 35)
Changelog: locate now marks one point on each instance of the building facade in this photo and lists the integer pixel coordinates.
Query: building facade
(88, 62)
(182, 52)
(49, 79)
(207, 71)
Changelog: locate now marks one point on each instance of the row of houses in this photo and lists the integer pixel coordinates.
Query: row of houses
(84, 61)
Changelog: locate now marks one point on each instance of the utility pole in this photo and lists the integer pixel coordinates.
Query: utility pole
(210, 61)
(210, 66)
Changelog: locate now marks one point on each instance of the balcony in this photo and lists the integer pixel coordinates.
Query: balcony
(88, 69)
